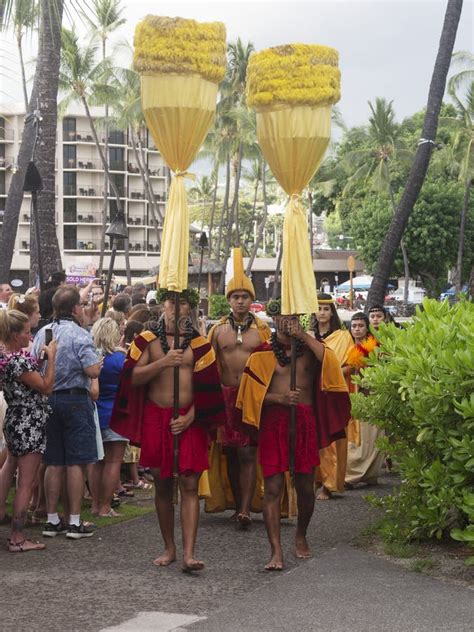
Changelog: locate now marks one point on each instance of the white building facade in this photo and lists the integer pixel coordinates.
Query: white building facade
(80, 192)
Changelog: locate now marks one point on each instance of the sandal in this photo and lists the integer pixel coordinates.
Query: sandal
(110, 514)
(25, 545)
(123, 493)
(141, 485)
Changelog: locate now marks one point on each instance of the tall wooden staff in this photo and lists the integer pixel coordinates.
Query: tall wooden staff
(181, 63)
(292, 88)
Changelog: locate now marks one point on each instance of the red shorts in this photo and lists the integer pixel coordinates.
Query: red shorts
(232, 433)
(157, 443)
(273, 442)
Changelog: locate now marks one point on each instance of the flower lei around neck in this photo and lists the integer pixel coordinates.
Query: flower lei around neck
(161, 332)
(357, 356)
(279, 350)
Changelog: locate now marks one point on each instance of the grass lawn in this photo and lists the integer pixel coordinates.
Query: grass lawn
(140, 505)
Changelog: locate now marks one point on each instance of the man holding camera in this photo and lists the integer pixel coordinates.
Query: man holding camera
(71, 433)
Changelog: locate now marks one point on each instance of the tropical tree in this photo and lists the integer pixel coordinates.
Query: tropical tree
(234, 111)
(44, 92)
(105, 19)
(25, 19)
(463, 144)
(83, 79)
(422, 157)
(129, 117)
(373, 162)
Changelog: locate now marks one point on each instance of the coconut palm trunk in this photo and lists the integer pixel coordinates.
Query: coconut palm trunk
(215, 177)
(147, 185)
(225, 208)
(261, 226)
(276, 283)
(44, 93)
(113, 186)
(406, 266)
(422, 158)
(462, 230)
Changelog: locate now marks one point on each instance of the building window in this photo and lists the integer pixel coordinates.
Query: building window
(2, 183)
(70, 238)
(116, 137)
(69, 182)
(116, 161)
(70, 210)
(69, 129)
(69, 156)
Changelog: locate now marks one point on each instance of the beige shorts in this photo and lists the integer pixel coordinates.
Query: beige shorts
(132, 454)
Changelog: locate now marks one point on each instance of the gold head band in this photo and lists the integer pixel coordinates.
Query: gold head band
(325, 301)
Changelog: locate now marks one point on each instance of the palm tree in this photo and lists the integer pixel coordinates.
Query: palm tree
(233, 105)
(374, 162)
(421, 161)
(104, 21)
(202, 191)
(44, 92)
(84, 80)
(25, 18)
(463, 144)
(129, 117)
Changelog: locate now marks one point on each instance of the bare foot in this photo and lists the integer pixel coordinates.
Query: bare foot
(275, 563)
(244, 520)
(303, 552)
(22, 546)
(323, 494)
(167, 558)
(110, 514)
(192, 565)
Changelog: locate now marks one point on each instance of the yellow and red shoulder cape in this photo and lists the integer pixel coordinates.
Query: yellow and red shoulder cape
(127, 413)
(331, 401)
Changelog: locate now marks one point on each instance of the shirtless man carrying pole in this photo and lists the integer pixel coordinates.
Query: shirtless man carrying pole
(149, 369)
(265, 398)
(233, 339)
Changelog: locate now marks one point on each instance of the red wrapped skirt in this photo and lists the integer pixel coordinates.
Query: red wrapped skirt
(273, 442)
(157, 443)
(232, 434)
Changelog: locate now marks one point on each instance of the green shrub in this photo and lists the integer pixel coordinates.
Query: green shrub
(218, 306)
(421, 385)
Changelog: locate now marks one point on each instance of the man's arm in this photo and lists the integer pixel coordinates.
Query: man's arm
(93, 371)
(282, 399)
(316, 347)
(144, 371)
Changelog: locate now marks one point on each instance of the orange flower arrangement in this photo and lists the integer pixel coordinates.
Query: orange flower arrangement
(357, 356)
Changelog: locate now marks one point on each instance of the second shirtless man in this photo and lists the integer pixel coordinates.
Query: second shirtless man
(233, 339)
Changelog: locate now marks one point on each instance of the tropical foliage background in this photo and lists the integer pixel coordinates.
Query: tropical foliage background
(355, 193)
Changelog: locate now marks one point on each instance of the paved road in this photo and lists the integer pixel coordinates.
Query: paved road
(107, 580)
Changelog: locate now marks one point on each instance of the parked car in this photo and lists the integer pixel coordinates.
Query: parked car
(415, 295)
(451, 292)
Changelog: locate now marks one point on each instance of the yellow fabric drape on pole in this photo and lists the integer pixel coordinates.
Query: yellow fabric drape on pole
(179, 110)
(293, 141)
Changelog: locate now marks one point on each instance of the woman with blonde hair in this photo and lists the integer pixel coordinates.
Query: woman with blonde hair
(106, 335)
(25, 391)
(26, 305)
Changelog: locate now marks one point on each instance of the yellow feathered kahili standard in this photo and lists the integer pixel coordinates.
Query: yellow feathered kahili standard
(180, 63)
(292, 88)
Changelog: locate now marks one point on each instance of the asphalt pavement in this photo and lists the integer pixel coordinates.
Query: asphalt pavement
(109, 582)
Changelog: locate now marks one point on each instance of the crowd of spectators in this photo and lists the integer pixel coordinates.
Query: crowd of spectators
(60, 363)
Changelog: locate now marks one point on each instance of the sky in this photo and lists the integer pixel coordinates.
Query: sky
(387, 47)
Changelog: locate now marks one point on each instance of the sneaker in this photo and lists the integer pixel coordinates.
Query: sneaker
(77, 532)
(51, 530)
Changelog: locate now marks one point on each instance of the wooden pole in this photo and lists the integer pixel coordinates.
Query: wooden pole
(292, 429)
(176, 401)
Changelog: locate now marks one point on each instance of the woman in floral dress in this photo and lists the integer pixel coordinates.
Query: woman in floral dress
(24, 428)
